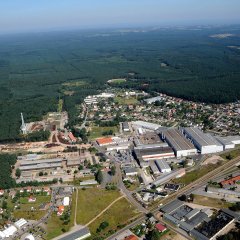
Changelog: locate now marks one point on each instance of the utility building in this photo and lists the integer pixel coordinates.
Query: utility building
(163, 166)
(205, 143)
(181, 146)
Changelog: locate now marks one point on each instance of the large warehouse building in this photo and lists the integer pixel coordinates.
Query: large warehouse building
(205, 143)
(41, 164)
(153, 152)
(229, 141)
(181, 146)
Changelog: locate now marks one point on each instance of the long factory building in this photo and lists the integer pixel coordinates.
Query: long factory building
(205, 143)
(153, 152)
(181, 146)
(28, 165)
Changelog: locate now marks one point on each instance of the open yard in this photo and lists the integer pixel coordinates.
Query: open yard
(194, 175)
(55, 225)
(97, 132)
(31, 210)
(116, 217)
(117, 80)
(211, 202)
(125, 100)
(32, 215)
(232, 154)
(92, 201)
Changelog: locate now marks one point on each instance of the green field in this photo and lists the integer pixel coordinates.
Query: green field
(232, 154)
(97, 132)
(29, 215)
(125, 100)
(194, 175)
(117, 216)
(92, 201)
(117, 80)
(211, 202)
(31, 210)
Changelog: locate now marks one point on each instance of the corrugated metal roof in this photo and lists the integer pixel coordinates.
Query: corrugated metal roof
(177, 140)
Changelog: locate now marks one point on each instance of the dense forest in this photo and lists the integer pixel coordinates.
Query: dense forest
(37, 69)
(7, 161)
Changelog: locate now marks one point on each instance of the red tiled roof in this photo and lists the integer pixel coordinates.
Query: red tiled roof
(102, 141)
(160, 227)
(131, 237)
(231, 180)
(73, 139)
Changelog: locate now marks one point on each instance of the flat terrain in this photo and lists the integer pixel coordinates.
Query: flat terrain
(31, 210)
(126, 100)
(232, 154)
(211, 202)
(116, 216)
(55, 226)
(97, 132)
(92, 201)
(194, 175)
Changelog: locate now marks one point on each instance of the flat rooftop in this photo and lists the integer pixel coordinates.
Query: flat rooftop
(162, 164)
(40, 166)
(40, 161)
(200, 137)
(228, 139)
(177, 140)
(172, 206)
(154, 151)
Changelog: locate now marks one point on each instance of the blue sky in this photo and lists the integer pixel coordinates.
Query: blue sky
(41, 15)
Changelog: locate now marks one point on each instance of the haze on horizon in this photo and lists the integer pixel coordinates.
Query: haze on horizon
(27, 15)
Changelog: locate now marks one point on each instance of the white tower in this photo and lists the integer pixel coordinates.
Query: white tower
(23, 127)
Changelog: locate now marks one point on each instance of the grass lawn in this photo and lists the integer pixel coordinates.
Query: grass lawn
(117, 216)
(29, 215)
(92, 201)
(232, 154)
(131, 186)
(97, 132)
(211, 202)
(126, 101)
(194, 175)
(55, 224)
(25, 205)
(117, 80)
(25, 208)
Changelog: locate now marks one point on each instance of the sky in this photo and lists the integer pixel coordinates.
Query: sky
(47, 15)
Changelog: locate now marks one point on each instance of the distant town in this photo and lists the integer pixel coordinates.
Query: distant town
(136, 166)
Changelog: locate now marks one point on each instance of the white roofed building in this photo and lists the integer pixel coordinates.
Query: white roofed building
(21, 222)
(66, 201)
